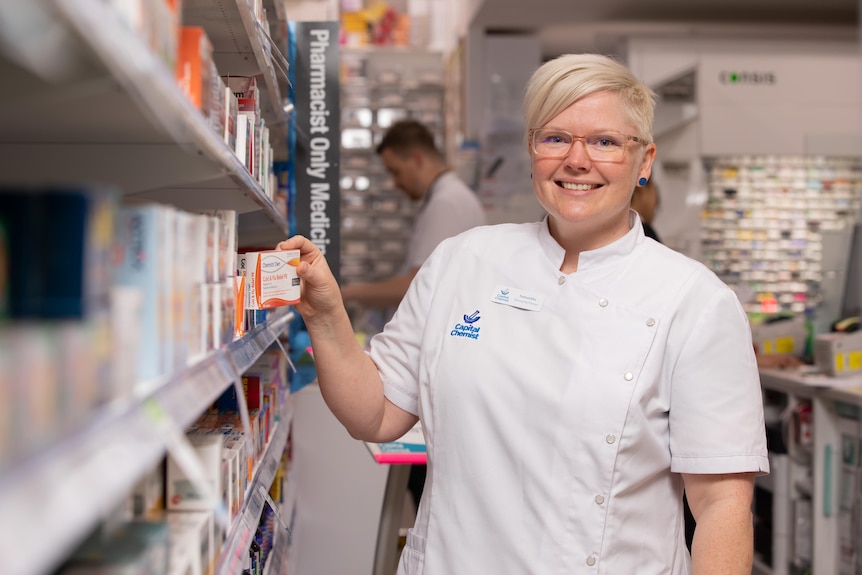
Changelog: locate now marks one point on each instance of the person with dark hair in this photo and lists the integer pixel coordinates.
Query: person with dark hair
(449, 207)
(573, 378)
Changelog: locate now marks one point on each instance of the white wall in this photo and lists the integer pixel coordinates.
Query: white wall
(806, 102)
(800, 96)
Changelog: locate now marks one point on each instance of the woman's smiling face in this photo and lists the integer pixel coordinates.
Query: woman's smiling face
(583, 198)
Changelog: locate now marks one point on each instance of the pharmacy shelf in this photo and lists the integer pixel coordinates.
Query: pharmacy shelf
(118, 119)
(242, 46)
(63, 492)
(242, 531)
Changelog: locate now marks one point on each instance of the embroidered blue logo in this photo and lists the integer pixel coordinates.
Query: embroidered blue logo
(467, 329)
(473, 317)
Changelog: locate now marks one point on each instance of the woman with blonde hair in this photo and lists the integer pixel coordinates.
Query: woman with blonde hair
(571, 377)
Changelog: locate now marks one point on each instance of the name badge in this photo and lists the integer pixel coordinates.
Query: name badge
(517, 298)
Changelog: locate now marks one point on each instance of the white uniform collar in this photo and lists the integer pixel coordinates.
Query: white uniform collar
(608, 254)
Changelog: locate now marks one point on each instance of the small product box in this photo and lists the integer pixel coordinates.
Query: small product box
(230, 112)
(239, 306)
(253, 391)
(194, 66)
(271, 278)
(181, 492)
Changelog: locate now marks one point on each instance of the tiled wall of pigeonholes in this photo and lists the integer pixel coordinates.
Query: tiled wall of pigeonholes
(763, 224)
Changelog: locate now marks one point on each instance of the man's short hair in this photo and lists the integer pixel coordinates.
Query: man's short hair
(407, 135)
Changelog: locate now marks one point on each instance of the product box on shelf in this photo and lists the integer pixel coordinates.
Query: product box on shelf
(228, 312)
(216, 320)
(272, 368)
(230, 121)
(49, 283)
(243, 86)
(251, 385)
(194, 529)
(239, 306)
(182, 559)
(35, 386)
(230, 486)
(143, 264)
(227, 241)
(244, 135)
(213, 253)
(182, 495)
(247, 108)
(235, 447)
(194, 66)
(217, 102)
(197, 277)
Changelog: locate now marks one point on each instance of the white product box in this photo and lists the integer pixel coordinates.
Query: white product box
(183, 558)
(227, 241)
(202, 542)
(271, 278)
(181, 492)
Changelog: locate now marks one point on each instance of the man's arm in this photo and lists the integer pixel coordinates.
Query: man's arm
(384, 293)
(724, 537)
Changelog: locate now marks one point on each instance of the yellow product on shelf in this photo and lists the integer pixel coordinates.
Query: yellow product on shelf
(354, 27)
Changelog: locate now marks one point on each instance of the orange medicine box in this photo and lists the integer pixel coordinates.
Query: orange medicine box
(194, 66)
(271, 277)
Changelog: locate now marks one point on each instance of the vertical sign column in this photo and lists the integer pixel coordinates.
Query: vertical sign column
(316, 140)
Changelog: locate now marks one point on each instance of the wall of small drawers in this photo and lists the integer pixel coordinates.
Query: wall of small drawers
(765, 222)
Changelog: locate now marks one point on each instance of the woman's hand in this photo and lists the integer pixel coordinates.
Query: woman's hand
(319, 292)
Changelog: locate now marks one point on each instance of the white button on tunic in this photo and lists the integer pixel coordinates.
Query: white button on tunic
(530, 391)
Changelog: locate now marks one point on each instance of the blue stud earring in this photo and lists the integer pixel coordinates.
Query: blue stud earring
(642, 182)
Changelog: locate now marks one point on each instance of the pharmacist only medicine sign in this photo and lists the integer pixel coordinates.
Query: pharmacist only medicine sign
(316, 137)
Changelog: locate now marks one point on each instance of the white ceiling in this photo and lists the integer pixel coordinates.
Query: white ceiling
(602, 25)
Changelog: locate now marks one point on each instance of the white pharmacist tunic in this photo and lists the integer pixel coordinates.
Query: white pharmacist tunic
(559, 410)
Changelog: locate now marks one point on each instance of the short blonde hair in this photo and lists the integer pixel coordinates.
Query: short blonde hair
(560, 82)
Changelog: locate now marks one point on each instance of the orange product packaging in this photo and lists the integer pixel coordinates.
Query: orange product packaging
(271, 277)
(194, 66)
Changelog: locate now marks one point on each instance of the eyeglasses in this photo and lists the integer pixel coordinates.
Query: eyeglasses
(604, 147)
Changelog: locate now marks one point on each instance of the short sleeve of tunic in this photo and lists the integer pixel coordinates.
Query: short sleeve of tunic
(396, 350)
(716, 413)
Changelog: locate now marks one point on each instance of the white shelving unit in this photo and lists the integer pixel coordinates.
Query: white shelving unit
(242, 531)
(101, 463)
(116, 118)
(825, 488)
(122, 121)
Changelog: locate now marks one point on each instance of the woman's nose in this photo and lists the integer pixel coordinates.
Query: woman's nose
(578, 157)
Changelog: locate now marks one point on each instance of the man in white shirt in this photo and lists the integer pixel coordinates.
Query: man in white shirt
(449, 207)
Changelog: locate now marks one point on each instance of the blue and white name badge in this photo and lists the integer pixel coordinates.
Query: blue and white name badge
(517, 298)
